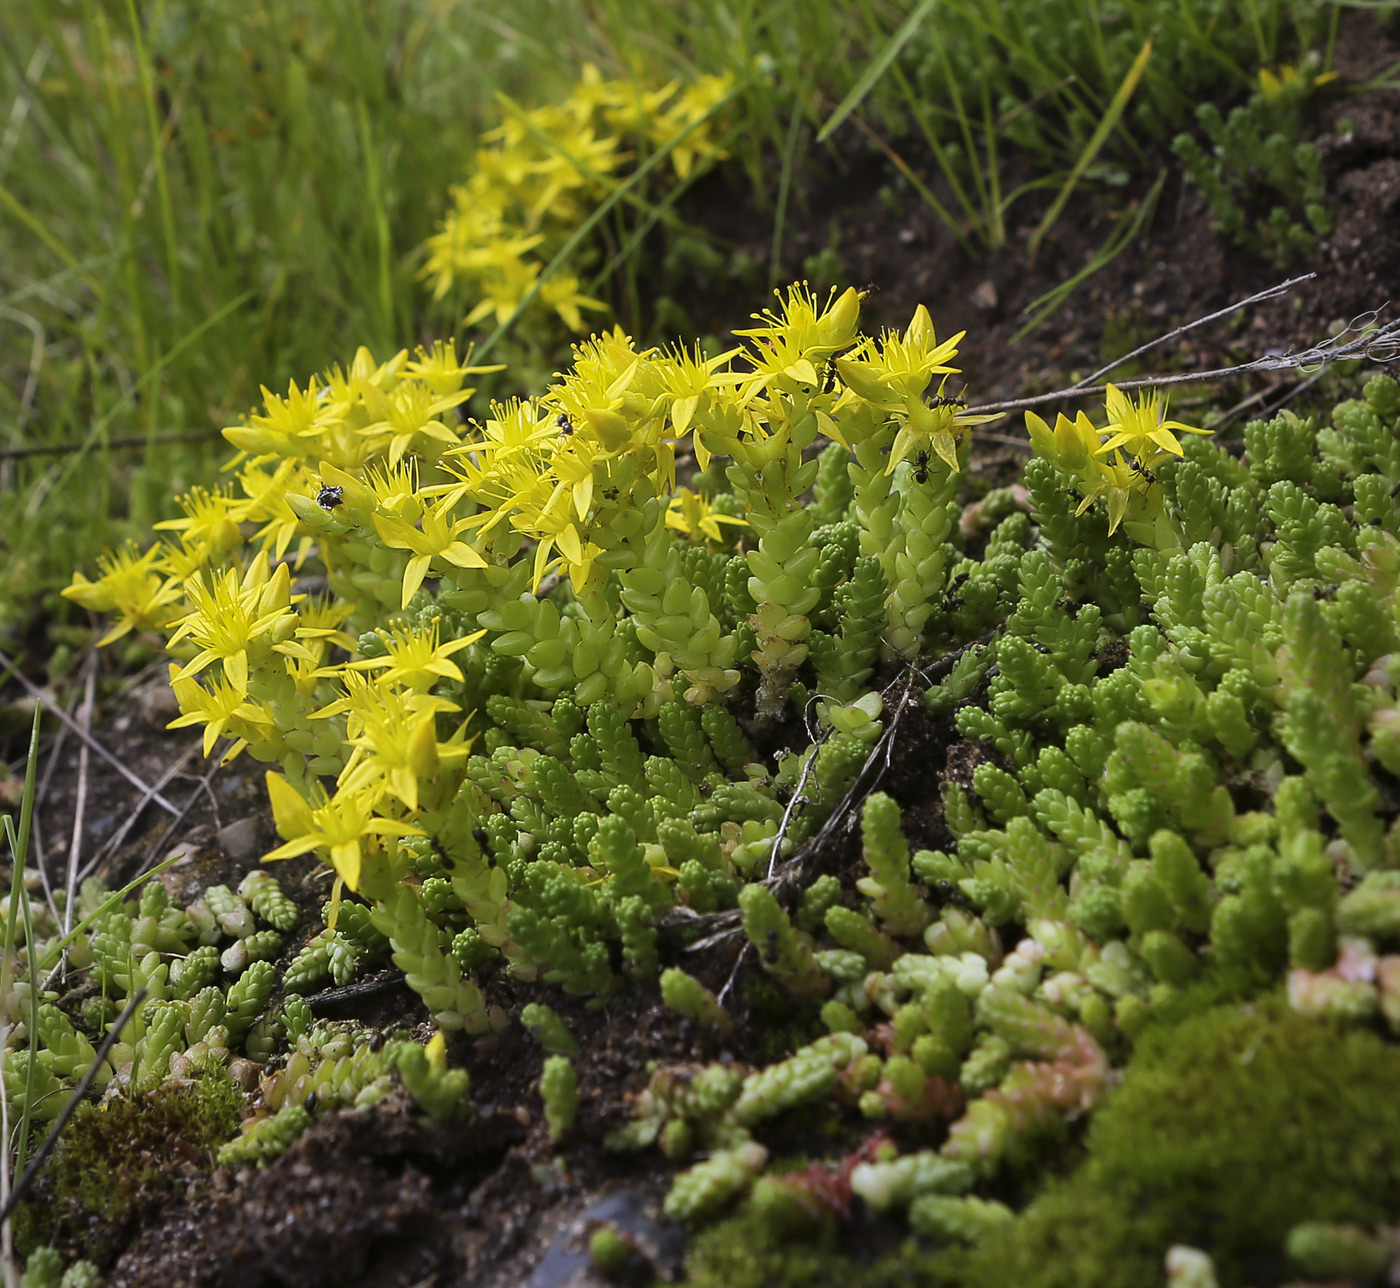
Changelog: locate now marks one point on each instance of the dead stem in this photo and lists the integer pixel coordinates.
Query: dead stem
(130, 775)
(1260, 297)
(1368, 342)
(75, 847)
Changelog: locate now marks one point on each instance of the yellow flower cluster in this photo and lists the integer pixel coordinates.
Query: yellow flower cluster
(537, 176)
(410, 510)
(370, 468)
(1117, 461)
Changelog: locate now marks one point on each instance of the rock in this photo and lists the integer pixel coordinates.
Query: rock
(241, 840)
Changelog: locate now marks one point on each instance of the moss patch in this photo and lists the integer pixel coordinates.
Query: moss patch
(1228, 1130)
(746, 1252)
(123, 1158)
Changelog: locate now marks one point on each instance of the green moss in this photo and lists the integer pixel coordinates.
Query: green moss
(779, 1025)
(1228, 1130)
(128, 1156)
(746, 1252)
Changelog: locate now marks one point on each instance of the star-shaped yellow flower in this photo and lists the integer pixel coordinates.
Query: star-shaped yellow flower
(1141, 428)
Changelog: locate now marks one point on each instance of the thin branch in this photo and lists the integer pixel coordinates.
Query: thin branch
(68, 449)
(41, 1154)
(131, 776)
(1379, 345)
(728, 921)
(733, 970)
(75, 847)
(114, 842)
(1272, 293)
(797, 799)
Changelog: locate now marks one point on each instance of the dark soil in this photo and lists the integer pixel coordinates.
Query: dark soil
(383, 1197)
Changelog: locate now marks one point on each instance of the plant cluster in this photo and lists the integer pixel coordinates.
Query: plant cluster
(1066, 60)
(529, 721)
(1069, 84)
(201, 1014)
(1262, 179)
(536, 178)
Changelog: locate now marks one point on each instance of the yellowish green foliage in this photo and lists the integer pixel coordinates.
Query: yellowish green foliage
(537, 176)
(369, 469)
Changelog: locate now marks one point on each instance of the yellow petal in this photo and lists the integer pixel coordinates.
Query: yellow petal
(413, 578)
(346, 860)
(290, 812)
(682, 412)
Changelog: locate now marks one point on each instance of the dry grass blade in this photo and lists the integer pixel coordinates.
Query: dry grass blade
(172, 771)
(1362, 339)
(75, 847)
(130, 775)
(1259, 297)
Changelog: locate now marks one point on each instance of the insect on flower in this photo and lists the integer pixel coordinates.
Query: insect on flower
(921, 466)
(946, 400)
(329, 497)
(566, 426)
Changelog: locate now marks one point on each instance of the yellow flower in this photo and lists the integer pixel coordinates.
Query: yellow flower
(130, 587)
(410, 414)
(338, 826)
(436, 538)
(694, 101)
(347, 389)
(291, 426)
(692, 514)
(561, 294)
(685, 380)
(1117, 482)
(793, 341)
(507, 283)
(1141, 428)
(394, 735)
(231, 615)
(215, 708)
(1070, 445)
(439, 369)
(267, 502)
(939, 423)
(896, 368)
(209, 524)
(416, 659)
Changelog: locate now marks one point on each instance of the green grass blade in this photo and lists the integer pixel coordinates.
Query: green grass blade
(784, 190)
(19, 890)
(151, 372)
(1091, 149)
(879, 65)
(19, 852)
(40, 230)
(1118, 241)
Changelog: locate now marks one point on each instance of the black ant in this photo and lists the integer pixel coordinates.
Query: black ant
(329, 497)
(921, 466)
(946, 400)
(566, 426)
(1138, 467)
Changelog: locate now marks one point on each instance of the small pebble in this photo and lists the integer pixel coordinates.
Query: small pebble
(240, 839)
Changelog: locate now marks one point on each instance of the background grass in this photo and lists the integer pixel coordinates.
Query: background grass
(198, 199)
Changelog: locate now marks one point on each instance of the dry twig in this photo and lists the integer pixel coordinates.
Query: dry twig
(130, 775)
